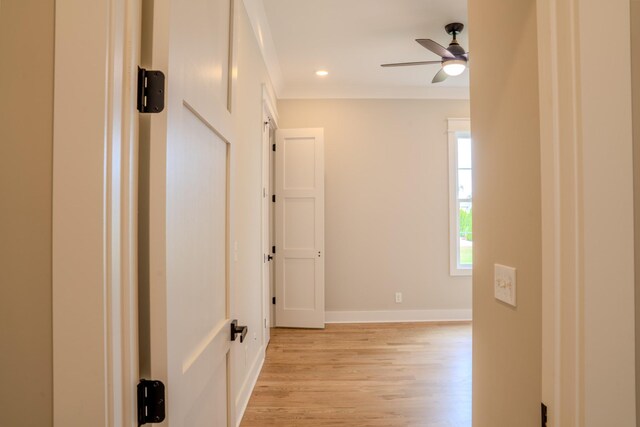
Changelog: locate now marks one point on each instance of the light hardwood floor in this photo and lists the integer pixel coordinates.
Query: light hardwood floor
(357, 375)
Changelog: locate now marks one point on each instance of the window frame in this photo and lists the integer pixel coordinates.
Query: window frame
(455, 127)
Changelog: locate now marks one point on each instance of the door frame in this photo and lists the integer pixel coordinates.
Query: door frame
(588, 372)
(94, 236)
(94, 213)
(270, 121)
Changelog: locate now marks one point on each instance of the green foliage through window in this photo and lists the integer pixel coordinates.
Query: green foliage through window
(466, 255)
(466, 224)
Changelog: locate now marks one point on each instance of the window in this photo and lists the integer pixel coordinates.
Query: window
(460, 197)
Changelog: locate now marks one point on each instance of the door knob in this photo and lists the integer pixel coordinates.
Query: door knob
(235, 330)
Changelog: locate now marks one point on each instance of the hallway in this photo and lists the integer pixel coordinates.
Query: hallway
(394, 374)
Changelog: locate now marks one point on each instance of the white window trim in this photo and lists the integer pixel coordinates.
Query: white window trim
(454, 126)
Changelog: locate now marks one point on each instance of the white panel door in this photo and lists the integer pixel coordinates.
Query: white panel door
(300, 228)
(266, 231)
(189, 155)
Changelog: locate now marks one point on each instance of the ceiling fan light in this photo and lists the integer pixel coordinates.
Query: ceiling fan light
(454, 67)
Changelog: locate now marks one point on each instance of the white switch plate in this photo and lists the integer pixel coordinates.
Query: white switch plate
(504, 280)
(398, 297)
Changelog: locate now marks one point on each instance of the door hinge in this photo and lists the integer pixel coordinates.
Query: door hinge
(150, 91)
(273, 249)
(151, 407)
(273, 300)
(273, 198)
(543, 414)
(273, 147)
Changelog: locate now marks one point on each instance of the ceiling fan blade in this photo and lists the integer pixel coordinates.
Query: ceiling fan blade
(436, 48)
(440, 77)
(407, 64)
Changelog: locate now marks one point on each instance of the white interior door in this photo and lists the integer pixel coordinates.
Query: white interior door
(300, 228)
(187, 215)
(266, 229)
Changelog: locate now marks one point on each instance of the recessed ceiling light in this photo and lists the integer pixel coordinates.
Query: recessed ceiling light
(322, 73)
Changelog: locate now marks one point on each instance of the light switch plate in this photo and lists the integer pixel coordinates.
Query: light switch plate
(504, 280)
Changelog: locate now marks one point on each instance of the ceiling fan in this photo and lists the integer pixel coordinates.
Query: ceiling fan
(453, 59)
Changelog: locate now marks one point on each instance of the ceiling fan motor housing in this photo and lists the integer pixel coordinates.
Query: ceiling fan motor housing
(454, 29)
(456, 49)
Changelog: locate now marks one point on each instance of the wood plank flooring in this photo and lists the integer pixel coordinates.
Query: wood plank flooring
(361, 375)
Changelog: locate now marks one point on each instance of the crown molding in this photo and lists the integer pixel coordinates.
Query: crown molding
(375, 92)
(262, 30)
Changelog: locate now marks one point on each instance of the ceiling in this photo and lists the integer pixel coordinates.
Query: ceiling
(350, 39)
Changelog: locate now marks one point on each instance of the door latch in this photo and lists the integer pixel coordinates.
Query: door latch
(235, 330)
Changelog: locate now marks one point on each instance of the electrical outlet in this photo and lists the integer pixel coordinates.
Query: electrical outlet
(505, 284)
(398, 297)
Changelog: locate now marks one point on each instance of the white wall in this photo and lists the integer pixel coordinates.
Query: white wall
(386, 211)
(247, 200)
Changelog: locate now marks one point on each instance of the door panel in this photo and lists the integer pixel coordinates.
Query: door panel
(299, 215)
(297, 271)
(197, 266)
(266, 227)
(300, 228)
(188, 217)
(299, 163)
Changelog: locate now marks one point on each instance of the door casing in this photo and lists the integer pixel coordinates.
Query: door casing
(270, 123)
(94, 219)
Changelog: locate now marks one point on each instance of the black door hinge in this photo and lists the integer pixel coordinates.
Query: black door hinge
(151, 402)
(273, 300)
(150, 91)
(543, 414)
(273, 249)
(273, 198)
(273, 147)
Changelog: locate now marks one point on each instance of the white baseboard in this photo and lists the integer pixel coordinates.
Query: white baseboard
(242, 399)
(391, 316)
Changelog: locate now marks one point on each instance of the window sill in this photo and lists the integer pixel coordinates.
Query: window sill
(461, 272)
